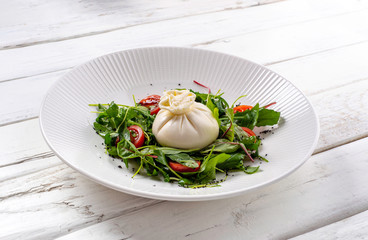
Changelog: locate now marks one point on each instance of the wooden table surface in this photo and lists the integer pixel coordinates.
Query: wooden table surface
(319, 45)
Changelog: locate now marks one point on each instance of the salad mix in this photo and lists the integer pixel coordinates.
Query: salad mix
(127, 133)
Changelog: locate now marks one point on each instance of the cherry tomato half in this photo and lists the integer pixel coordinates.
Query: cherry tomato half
(242, 108)
(177, 167)
(136, 135)
(152, 103)
(155, 110)
(150, 100)
(248, 131)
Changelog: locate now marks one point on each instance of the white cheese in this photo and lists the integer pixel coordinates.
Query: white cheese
(184, 123)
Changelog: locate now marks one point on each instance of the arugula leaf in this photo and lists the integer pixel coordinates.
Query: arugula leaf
(248, 118)
(113, 110)
(112, 151)
(230, 127)
(207, 171)
(126, 150)
(101, 108)
(100, 128)
(184, 159)
(234, 162)
(161, 158)
(251, 170)
(210, 104)
(221, 145)
(108, 139)
(171, 151)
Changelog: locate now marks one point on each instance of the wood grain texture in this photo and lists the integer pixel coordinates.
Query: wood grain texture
(296, 40)
(53, 202)
(55, 56)
(299, 203)
(41, 21)
(312, 39)
(354, 227)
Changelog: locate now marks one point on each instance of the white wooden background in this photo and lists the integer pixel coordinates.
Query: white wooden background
(319, 45)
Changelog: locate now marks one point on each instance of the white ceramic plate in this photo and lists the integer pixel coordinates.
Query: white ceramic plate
(66, 119)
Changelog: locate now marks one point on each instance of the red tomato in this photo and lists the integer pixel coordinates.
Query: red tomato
(242, 108)
(150, 100)
(152, 103)
(177, 167)
(248, 131)
(155, 110)
(136, 135)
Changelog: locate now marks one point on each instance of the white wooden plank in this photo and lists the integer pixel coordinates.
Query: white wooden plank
(41, 20)
(316, 72)
(355, 227)
(315, 37)
(23, 97)
(319, 193)
(23, 150)
(43, 58)
(296, 40)
(22, 142)
(56, 201)
(343, 114)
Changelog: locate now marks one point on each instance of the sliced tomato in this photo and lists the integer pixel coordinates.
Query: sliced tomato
(150, 100)
(152, 103)
(177, 167)
(248, 131)
(136, 135)
(155, 110)
(242, 108)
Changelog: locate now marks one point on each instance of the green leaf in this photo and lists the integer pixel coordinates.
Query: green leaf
(208, 168)
(160, 157)
(184, 159)
(251, 170)
(267, 117)
(102, 118)
(126, 150)
(113, 110)
(112, 151)
(108, 139)
(248, 118)
(100, 128)
(230, 132)
(240, 134)
(171, 151)
(234, 162)
(185, 182)
(216, 115)
(221, 145)
(101, 108)
(126, 133)
(210, 104)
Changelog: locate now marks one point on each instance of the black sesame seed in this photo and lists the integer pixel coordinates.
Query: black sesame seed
(119, 166)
